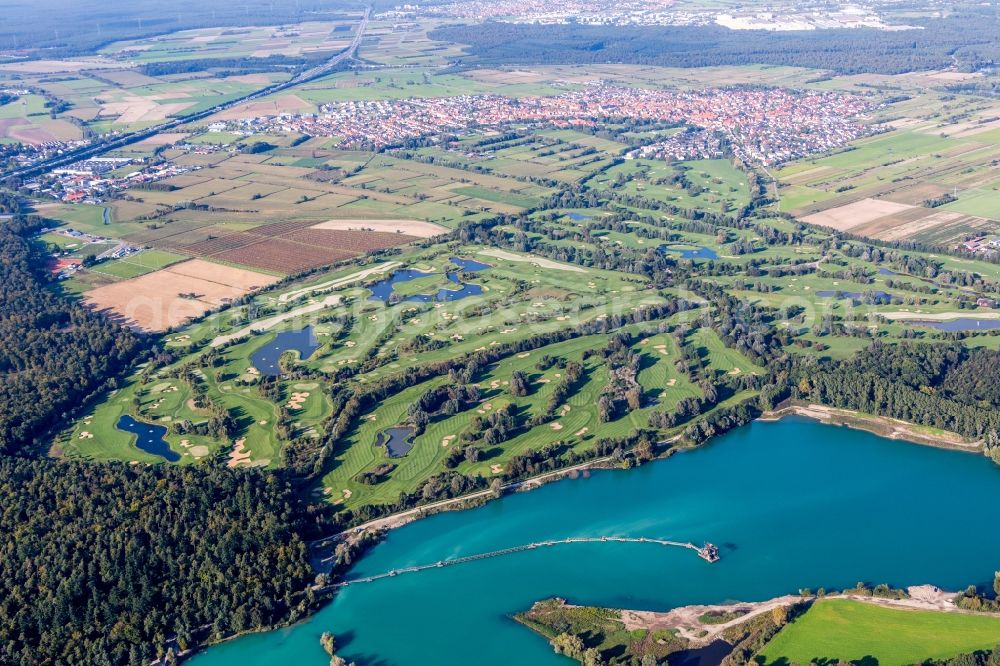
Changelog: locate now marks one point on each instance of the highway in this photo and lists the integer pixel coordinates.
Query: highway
(134, 137)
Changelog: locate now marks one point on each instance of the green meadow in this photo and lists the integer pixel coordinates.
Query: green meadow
(843, 630)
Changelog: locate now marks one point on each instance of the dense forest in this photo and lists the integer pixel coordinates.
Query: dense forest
(110, 563)
(53, 353)
(104, 564)
(942, 386)
(57, 28)
(970, 37)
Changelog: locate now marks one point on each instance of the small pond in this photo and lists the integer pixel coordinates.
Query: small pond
(962, 324)
(700, 252)
(382, 291)
(885, 271)
(266, 359)
(579, 217)
(148, 437)
(469, 265)
(397, 441)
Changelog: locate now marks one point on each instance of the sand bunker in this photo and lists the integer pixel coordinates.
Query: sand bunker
(297, 400)
(239, 455)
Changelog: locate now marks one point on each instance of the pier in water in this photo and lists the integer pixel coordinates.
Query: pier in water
(708, 552)
(791, 504)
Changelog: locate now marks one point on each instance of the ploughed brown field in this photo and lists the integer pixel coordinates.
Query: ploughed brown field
(171, 296)
(291, 247)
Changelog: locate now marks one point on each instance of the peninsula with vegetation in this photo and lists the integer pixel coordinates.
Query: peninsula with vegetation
(919, 625)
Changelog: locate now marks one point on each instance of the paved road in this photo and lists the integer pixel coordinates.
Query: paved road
(135, 137)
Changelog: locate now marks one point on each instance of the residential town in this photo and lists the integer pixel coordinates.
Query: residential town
(22, 154)
(762, 125)
(692, 144)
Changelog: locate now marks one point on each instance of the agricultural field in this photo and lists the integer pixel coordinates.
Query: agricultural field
(228, 193)
(250, 42)
(136, 84)
(28, 119)
(139, 83)
(844, 630)
(158, 300)
(135, 265)
(107, 99)
(930, 178)
(392, 43)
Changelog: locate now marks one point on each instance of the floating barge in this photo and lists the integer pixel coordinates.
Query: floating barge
(709, 552)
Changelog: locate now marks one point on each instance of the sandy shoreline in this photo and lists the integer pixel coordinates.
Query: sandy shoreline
(882, 426)
(685, 621)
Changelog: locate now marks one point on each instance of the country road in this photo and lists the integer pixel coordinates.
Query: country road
(134, 137)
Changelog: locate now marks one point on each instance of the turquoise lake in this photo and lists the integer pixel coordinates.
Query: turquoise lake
(791, 504)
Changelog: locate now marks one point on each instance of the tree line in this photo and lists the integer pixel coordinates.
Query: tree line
(107, 563)
(964, 37)
(942, 386)
(54, 354)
